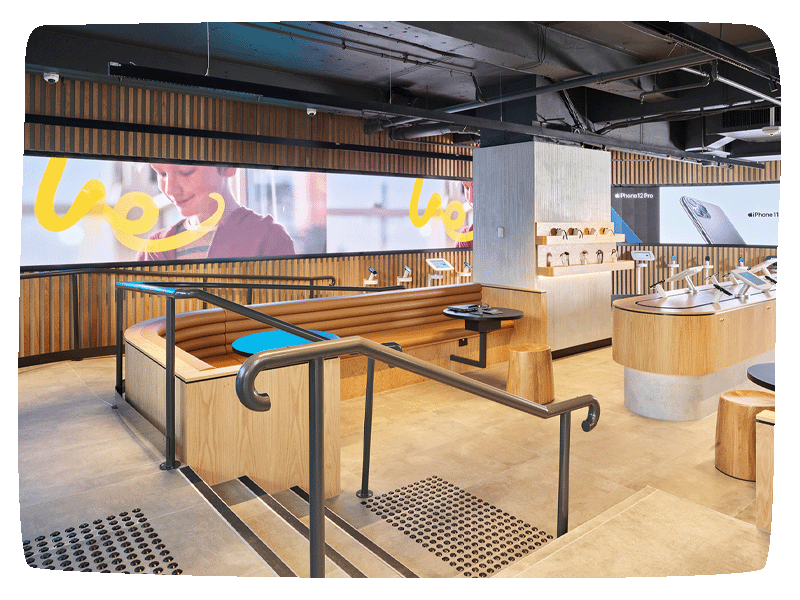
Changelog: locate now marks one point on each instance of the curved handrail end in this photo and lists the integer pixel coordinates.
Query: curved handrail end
(248, 395)
(592, 417)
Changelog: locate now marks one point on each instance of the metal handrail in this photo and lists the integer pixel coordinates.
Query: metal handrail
(146, 273)
(325, 348)
(173, 293)
(314, 354)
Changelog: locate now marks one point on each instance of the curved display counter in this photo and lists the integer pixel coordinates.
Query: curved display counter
(680, 352)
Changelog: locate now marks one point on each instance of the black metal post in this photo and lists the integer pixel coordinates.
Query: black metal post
(76, 320)
(316, 475)
(563, 475)
(248, 294)
(365, 492)
(119, 297)
(170, 463)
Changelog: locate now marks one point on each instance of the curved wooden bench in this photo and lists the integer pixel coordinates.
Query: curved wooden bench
(412, 318)
(212, 426)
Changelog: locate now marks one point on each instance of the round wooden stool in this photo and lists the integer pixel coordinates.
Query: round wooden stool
(530, 372)
(735, 449)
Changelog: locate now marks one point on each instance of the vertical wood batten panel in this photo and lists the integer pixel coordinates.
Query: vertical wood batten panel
(722, 258)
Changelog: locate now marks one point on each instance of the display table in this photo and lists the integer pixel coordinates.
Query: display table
(762, 374)
(247, 345)
(483, 321)
(681, 352)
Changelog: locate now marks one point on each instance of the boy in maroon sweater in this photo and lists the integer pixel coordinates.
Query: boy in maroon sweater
(240, 232)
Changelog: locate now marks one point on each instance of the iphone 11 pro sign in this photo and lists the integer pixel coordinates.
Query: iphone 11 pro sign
(728, 215)
(711, 222)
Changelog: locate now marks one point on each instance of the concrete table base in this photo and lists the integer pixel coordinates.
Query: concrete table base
(685, 397)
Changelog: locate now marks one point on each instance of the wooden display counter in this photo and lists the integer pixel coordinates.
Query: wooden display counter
(682, 351)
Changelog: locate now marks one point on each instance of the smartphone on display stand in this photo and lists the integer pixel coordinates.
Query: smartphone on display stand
(712, 222)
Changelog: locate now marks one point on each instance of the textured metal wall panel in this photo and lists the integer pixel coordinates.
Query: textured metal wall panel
(504, 198)
(572, 184)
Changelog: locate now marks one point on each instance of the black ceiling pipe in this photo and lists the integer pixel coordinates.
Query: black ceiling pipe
(661, 66)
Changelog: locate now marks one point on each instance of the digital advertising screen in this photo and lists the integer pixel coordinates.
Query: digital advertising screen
(86, 211)
(726, 214)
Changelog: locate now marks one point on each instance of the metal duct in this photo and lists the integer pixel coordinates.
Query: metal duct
(414, 133)
(678, 88)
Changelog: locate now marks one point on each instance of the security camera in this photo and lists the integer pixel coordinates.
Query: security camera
(51, 77)
(311, 112)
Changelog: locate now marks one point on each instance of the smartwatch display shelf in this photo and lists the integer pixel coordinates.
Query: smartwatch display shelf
(598, 242)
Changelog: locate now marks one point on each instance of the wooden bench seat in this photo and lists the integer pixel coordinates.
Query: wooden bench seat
(411, 318)
(211, 424)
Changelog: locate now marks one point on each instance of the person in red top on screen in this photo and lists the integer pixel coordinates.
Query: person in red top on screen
(468, 195)
(240, 232)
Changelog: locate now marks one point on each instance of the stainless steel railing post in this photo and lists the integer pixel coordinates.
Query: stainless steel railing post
(119, 298)
(563, 476)
(365, 492)
(316, 475)
(169, 424)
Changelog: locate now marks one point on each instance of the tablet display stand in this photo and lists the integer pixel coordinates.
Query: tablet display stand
(686, 275)
(439, 266)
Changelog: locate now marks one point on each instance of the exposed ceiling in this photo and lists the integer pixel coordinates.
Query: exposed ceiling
(695, 89)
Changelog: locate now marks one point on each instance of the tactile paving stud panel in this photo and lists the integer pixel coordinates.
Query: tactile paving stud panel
(472, 536)
(125, 543)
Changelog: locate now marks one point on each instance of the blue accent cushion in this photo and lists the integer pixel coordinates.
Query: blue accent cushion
(270, 340)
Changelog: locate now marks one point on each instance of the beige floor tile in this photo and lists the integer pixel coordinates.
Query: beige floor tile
(662, 535)
(505, 458)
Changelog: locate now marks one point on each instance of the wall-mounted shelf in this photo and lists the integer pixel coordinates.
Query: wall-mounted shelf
(560, 271)
(552, 240)
(595, 244)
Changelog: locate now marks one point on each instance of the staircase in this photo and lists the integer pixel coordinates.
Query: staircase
(385, 536)
(429, 529)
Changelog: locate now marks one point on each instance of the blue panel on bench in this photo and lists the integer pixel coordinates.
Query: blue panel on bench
(270, 340)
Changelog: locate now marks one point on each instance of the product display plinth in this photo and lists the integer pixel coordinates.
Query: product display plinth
(682, 351)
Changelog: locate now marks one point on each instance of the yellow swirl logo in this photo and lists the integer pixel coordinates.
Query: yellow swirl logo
(433, 210)
(93, 193)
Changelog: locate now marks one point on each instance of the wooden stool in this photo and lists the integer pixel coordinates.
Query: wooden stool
(530, 372)
(735, 448)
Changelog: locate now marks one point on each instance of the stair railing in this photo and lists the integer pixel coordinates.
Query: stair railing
(172, 291)
(315, 354)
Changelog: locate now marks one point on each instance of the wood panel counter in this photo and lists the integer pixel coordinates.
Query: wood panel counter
(681, 351)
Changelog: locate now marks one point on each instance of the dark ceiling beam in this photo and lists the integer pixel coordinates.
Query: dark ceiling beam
(598, 79)
(322, 101)
(700, 41)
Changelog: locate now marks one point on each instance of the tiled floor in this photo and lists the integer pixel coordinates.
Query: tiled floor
(80, 459)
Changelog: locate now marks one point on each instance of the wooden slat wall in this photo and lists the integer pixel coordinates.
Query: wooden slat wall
(46, 312)
(124, 104)
(632, 169)
(723, 258)
(44, 304)
(45, 323)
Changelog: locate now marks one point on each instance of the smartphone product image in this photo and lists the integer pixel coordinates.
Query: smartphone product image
(712, 222)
